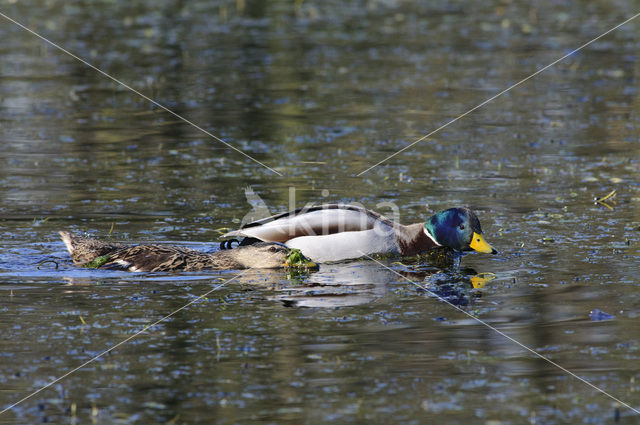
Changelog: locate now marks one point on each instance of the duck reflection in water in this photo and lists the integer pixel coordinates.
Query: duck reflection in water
(366, 281)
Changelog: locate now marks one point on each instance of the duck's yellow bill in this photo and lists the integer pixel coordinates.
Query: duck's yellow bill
(479, 244)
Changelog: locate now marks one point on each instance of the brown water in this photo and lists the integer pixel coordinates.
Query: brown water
(320, 91)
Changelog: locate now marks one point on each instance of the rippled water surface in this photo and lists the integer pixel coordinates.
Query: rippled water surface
(319, 92)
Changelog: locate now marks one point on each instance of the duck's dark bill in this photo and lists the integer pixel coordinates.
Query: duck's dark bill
(479, 244)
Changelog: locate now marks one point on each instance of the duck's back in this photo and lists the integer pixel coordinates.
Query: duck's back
(331, 232)
(141, 258)
(158, 258)
(313, 221)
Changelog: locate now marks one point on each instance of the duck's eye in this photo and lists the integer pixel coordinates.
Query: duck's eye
(272, 249)
(461, 227)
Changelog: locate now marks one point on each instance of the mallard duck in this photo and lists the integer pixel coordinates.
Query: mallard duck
(336, 232)
(93, 253)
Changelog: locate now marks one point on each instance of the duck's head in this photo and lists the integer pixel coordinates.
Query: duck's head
(261, 255)
(459, 229)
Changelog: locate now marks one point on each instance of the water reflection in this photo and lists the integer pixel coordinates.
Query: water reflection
(337, 285)
(362, 282)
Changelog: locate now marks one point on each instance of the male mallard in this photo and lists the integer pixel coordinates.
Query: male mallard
(337, 232)
(92, 253)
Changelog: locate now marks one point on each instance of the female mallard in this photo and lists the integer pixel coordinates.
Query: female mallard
(337, 232)
(93, 253)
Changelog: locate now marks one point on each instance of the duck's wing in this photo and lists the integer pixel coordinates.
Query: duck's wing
(312, 221)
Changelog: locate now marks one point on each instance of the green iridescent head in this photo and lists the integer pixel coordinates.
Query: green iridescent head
(459, 229)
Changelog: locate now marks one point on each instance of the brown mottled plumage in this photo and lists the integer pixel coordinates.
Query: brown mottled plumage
(155, 258)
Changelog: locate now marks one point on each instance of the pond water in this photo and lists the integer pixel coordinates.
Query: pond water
(319, 92)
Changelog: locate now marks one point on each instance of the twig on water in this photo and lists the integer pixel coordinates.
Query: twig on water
(602, 199)
(45, 262)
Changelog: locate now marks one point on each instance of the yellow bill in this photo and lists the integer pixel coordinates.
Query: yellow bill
(479, 244)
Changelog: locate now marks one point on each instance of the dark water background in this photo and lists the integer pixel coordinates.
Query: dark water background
(320, 91)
